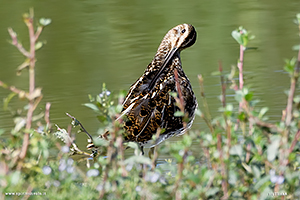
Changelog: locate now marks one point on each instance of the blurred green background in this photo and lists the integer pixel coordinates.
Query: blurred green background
(96, 41)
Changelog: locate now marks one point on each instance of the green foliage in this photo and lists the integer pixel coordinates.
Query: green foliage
(242, 36)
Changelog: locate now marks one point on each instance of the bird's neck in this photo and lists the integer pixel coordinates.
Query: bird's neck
(162, 52)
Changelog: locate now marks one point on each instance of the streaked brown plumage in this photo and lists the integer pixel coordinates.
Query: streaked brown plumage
(149, 106)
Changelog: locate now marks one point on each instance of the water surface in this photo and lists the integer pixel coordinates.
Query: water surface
(94, 42)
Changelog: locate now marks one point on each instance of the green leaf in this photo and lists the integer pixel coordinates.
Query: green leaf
(91, 98)
(178, 114)
(91, 106)
(290, 65)
(45, 21)
(296, 47)
(212, 191)
(138, 159)
(38, 45)
(20, 122)
(256, 172)
(237, 36)
(298, 18)
(216, 73)
(236, 150)
(196, 179)
(229, 107)
(173, 94)
(232, 179)
(198, 113)
(248, 97)
(242, 116)
(239, 96)
(99, 142)
(272, 150)
(297, 99)
(23, 66)
(14, 179)
(263, 112)
(133, 145)
(102, 118)
(7, 100)
(187, 140)
(261, 182)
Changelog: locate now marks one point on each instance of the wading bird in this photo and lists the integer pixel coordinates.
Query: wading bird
(150, 104)
(163, 90)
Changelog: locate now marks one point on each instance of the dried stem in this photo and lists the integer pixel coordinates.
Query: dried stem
(31, 56)
(15, 42)
(223, 168)
(223, 100)
(12, 88)
(240, 66)
(289, 114)
(154, 151)
(206, 117)
(181, 105)
(110, 152)
(121, 153)
(223, 85)
(295, 140)
(47, 114)
(179, 172)
(294, 80)
(181, 101)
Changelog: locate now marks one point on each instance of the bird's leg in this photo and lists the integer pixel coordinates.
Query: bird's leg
(142, 149)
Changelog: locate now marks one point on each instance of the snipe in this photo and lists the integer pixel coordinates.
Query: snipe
(149, 104)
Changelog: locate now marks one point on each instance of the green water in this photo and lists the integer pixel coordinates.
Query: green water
(91, 42)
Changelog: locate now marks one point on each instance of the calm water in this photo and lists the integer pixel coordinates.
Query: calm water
(91, 42)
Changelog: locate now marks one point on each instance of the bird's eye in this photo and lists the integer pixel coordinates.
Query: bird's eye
(183, 31)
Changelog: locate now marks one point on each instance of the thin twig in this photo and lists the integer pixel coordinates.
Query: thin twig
(38, 32)
(155, 154)
(76, 122)
(294, 80)
(240, 66)
(223, 167)
(182, 105)
(223, 85)
(207, 116)
(31, 56)
(295, 140)
(121, 152)
(15, 42)
(13, 89)
(223, 100)
(47, 114)
(110, 152)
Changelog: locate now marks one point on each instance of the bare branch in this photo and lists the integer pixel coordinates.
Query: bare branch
(15, 42)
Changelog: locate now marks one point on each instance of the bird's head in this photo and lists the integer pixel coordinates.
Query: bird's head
(177, 39)
(181, 36)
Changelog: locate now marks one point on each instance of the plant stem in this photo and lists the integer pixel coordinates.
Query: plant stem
(223, 86)
(240, 66)
(207, 116)
(294, 80)
(32, 38)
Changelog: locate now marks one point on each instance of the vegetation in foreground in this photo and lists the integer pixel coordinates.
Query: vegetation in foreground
(244, 156)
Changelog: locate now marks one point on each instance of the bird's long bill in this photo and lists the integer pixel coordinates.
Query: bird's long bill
(165, 63)
(168, 57)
